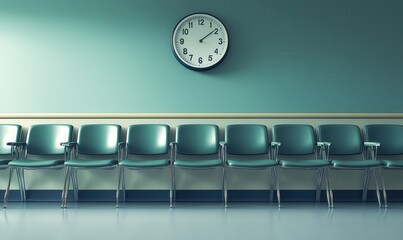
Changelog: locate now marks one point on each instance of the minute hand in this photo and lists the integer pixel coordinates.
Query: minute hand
(201, 40)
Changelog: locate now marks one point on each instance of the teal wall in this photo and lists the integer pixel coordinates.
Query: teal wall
(114, 56)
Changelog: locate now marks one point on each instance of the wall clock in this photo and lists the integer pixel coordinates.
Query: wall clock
(200, 41)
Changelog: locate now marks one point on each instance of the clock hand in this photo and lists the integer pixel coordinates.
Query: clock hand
(201, 40)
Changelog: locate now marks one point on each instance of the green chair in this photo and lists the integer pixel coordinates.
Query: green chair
(41, 150)
(348, 151)
(8, 133)
(146, 147)
(390, 151)
(96, 148)
(300, 150)
(247, 146)
(196, 146)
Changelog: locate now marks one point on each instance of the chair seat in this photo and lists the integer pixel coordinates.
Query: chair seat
(393, 163)
(85, 163)
(144, 163)
(198, 163)
(26, 163)
(355, 163)
(261, 163)
(303, 163)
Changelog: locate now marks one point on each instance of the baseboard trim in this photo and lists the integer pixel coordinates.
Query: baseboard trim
(201, 195)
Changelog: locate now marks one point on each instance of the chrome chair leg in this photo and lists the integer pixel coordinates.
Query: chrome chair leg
(329, 191)
(224, 187)
(278, 186)
(21, 182)
(66, 179)
(64, 187)
(6, 194)
(71, 175)
(173, 187)
(20, 186)
(123, 186)
(319, 184)
(385, 198)
(329, 179)
(378, 195)
(367, 178)
(272, 183)
(118, 187)
(74, 179)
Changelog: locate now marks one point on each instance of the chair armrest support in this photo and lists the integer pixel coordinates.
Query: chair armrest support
(320, 144)
(68, 144)
(372, 144)
(274, 146)
(16, 144)
(223, 151)
(121, 151)
(173, 146)
(371, 150)
(69, 149)
(323, 150)
(18, 149)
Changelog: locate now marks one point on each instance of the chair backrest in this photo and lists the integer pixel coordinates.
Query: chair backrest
(148, 139)
(296, 139)
(389, 135)
(247, 139)
(8, 133)
(98, 139)
(45, 139)
(345, 139)
(197, 139)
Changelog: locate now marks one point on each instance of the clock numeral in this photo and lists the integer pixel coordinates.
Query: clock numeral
(210, 58)
(211, 24)
(191, 56)
(220, 41)
(200, 60)
(185, 51)
(185, 31)
(201, 21)
(182, 41)
(190, 24)
(216, 31)
(216, 51)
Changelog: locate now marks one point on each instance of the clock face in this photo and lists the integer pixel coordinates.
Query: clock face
(200, 41)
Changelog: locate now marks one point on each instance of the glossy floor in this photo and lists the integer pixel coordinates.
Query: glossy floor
(194, 221)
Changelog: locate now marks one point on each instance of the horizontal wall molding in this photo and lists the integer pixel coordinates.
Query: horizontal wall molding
(201, 116)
